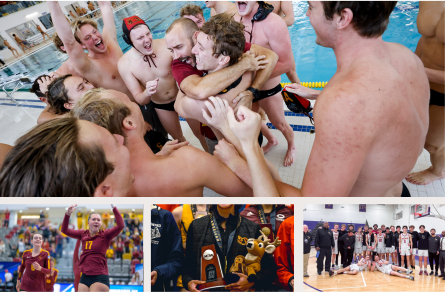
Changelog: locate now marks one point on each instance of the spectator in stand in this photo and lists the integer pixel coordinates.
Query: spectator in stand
(8, 276)
(127, 232)
(54, 232)
(42, 216)
(53, 250)
(52, 240)
(59, 242)
(119, 247)
(284, 254)
(127, 244)
(136, 238)
(136, 252)
(12, 250)
(137, 224)
(45, 231)
(21, 247)
(2, 247)
(133, 281)
(110, 254)
(137, 278)
(45, 245)
(6, 220)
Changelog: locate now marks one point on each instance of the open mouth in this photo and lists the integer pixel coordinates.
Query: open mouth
(100, 44)
(242, 6)
(186, 59)
(147, 47)
(198, 60)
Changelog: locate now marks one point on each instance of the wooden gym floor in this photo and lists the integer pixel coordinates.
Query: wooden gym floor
(368, 281)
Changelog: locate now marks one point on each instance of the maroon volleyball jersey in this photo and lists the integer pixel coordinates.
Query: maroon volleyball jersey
(51, 280)
(92, 260)
(34, 280)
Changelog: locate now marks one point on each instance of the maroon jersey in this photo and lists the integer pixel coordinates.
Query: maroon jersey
(51, 280)
(92, 260)
(34, 280)
(181, 70)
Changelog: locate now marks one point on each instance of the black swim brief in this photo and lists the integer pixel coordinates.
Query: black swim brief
(90, 280)
(405, 191)
(167, 107)
(266, 93)
(437, 98)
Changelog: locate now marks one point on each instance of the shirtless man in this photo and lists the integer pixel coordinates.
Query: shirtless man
(193, 12)
(270, 32)
(195, 85)
(22, 43)
(285, 9)
(354, 269)
(146, 70)
(42, 33)
(13, 50)
(67, 67)
(386, 268)
(184, 173)
(100, 65)
(430, 23)
(217, 7)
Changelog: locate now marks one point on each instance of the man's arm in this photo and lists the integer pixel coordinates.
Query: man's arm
(46, 115)
(197, 87)
(245, 98)
(279, 41)
(339, 148)
(288, 10)
(140, 95)
(436, 76)
(79, 59)
(109, 30)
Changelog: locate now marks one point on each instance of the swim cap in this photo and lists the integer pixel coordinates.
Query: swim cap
(128, 24)
(297, 104)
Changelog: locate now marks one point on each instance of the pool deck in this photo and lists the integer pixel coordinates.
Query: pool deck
(16, 121)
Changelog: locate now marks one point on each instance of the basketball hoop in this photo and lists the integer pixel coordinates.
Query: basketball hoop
(421, 210)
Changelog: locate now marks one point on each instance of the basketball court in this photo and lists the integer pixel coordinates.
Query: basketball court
(432, 216)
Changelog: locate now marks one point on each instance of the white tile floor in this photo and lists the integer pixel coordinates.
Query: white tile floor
(15, 121)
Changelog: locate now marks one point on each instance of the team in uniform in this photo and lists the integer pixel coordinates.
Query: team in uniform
(95, 242)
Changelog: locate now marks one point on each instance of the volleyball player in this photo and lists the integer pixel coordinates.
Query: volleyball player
(36, 263)
(336, 235)
(386, 268)
(95, 242)
(381, 249)
(52, 277)
(358, 245)
(405, 246)
(353, 269)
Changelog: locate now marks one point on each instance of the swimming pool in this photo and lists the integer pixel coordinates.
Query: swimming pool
(314, 63)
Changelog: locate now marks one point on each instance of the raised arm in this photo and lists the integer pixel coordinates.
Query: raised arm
(66, 221)
(114, 231)
(109, 30)
(288, 10)
(197, 87)
(75, 51)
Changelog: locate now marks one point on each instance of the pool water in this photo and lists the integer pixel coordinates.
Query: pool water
(314, 63)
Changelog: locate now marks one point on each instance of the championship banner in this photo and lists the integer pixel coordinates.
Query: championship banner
(362, 208)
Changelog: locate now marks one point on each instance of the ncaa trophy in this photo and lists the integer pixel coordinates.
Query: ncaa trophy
(211, 271)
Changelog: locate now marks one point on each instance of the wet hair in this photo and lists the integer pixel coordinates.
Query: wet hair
(58, 95)
(78, 23)
(35, 88)
(52, 161)
(227, 36)
(189, 27)
(58, 43)
(103, 112)
(191, 9)
(370, 18)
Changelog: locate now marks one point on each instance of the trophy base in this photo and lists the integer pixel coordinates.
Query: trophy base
(215, 285)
